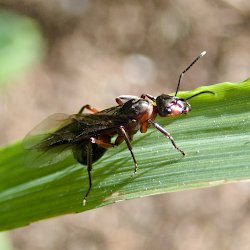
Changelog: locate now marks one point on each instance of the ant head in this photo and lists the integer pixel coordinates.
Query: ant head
(168, 105)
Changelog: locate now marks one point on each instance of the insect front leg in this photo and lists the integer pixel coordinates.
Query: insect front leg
(120, 98)
(125, 137)
(165, 132)
(89, 168)
(88, 107)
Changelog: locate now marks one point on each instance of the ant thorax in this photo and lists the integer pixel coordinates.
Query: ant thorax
(139, 109)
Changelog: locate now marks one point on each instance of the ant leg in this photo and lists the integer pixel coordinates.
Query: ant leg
(165, 132)
(89, 168)
(127, 140)
(102, 143)
(88, 107)
(150, 97)
(120, 98)
(89, 149)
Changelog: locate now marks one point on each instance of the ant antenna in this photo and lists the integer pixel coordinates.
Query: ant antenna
(201, 93)
(183, 72)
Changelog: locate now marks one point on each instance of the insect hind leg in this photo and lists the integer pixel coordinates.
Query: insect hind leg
(89, 168)
(93, 150)
(88, 107)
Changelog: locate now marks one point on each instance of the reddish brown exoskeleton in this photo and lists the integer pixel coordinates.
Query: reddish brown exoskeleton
(88, 136)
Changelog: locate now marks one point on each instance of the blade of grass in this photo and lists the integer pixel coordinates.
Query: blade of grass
(215, 135)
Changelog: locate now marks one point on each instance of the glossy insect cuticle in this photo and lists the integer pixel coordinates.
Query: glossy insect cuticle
(89, 135)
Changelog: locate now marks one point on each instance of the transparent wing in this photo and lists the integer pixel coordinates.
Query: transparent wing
(38, 142)
(44, 129)
(52, 139)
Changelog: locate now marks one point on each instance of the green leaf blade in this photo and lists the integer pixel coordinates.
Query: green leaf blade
(215, 135)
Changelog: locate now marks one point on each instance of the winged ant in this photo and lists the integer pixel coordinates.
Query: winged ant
(89, 135)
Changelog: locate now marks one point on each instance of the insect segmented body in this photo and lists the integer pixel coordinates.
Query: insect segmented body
(89, 135)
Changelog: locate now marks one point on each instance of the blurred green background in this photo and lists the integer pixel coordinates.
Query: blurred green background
(20, 45)
(56, 56)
